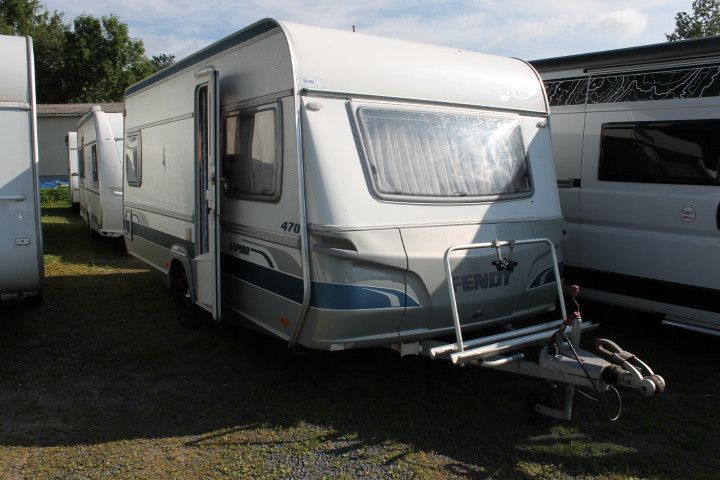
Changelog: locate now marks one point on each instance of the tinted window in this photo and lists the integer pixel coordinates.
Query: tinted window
(661, 152)
(81, 159)
(93, 163)
(251, 162)
(133, 161)
(439, 154)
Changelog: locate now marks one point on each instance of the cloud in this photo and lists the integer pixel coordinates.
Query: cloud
(524, 28)
(628, 23)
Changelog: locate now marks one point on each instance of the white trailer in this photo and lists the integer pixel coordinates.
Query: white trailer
(100, 171)
(21, 251)
(340, 190)
(73, 164)
(636, 134)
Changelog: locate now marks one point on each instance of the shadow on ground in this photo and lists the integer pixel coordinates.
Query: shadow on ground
(102, 359)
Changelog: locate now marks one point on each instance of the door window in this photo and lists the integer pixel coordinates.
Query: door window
(94, 164)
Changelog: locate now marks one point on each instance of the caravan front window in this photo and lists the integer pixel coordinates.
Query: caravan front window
(251, 160)
(442, 155)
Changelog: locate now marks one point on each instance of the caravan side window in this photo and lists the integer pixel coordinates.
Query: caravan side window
(680, 152)
(252, 161)
(133, 160)
(93, 163)
(81, 158)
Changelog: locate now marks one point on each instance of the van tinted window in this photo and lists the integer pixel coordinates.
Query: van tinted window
(251, 161)
(441, 154)
(661, 152)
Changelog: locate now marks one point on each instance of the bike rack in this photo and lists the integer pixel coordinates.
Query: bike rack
(561, 361)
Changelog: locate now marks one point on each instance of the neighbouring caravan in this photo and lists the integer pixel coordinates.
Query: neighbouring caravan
(99, 137)
(636, 134)
(21, 251)
(73, 168)
(340, 190)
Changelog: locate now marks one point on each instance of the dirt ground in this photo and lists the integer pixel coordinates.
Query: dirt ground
(99, 381)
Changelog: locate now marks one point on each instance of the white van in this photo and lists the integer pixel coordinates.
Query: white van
(100, 171)
(636, 134)
(21, 250)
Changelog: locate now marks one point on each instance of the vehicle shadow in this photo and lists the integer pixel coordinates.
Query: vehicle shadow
(103, 359)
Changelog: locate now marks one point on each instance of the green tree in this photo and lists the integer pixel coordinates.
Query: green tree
(90, 60)
(703, 21)
(102, 60)
(161, 61)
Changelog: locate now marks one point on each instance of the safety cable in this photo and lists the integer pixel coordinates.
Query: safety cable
(612, 418)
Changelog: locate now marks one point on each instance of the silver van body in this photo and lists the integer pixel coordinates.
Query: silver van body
(308, 181)
(21, 249)
(636, 134)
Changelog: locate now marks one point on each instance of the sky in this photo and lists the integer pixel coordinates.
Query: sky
(520, 28)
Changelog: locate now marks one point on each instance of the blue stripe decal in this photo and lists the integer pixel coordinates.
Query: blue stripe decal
(332, 296)
(545, 277)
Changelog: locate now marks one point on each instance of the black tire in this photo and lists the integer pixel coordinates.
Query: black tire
(188, 314)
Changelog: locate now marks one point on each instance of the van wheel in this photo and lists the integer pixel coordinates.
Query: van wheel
(188, 313)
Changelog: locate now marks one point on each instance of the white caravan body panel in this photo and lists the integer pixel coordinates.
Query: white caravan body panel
(73, 167)
(637, 140)
(20, 235)
(307, 245)
(99, 137)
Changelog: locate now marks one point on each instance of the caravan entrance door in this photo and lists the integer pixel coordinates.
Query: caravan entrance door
(207, 201)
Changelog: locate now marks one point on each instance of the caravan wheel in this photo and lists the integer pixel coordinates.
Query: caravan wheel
(188, 314)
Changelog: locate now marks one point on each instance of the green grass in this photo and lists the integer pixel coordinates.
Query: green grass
(58, 197)
(100, 382)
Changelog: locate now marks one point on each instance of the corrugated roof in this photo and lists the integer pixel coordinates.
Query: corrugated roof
(75, 109)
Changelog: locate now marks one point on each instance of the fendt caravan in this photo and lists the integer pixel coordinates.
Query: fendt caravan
(636, 134)
(21, 260)
(73, 161)
(315, 183)
(100, 171)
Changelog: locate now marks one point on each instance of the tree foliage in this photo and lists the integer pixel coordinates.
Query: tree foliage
(87, 60)
(703, 21)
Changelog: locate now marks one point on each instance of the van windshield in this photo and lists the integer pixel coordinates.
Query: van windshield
(442, 154)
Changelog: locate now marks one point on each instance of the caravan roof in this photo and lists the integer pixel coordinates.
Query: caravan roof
(347, 62)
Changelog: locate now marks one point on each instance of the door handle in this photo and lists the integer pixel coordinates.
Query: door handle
(568, 183)
(12, 198)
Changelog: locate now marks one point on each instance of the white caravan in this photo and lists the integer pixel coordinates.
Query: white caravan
(73, 160)
(636, 134)
(340, 190)
(99, 136)
(21, 252)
